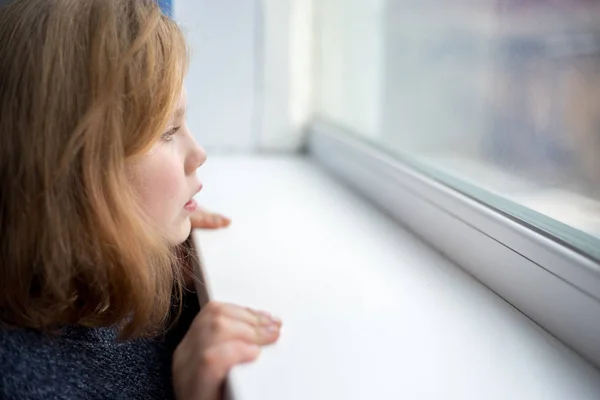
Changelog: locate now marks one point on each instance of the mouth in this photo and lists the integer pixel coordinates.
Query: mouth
(191, 205)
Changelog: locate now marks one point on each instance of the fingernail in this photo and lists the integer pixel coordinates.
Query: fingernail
(271, 329)
(263, 314)
(267, 318)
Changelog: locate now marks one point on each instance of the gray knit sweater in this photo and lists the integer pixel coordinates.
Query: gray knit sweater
(86, 363)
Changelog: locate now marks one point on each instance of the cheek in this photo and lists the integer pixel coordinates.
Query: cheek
(163, 188)
(160, 183)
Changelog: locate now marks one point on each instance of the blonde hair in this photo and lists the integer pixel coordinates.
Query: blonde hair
(85, 87)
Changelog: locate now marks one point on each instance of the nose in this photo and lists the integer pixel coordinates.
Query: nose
(195, 158)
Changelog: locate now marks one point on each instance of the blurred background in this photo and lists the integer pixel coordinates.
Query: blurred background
(499, 99)
(250, 81)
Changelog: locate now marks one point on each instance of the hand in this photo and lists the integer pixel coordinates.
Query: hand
(204, 219)
(220, 337)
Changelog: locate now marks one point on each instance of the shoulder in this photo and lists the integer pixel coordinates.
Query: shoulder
(82, 363)
(20, 346)
(36, 365)
(26, 362)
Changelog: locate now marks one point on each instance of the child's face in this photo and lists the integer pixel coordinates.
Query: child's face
(165, 177)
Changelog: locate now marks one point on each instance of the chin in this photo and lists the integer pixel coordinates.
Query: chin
(181, 233)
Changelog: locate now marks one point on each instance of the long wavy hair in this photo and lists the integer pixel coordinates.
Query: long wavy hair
(85, 88)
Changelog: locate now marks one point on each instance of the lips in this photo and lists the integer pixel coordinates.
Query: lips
(191, 205)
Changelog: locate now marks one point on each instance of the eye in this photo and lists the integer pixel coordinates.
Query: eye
(168, 136)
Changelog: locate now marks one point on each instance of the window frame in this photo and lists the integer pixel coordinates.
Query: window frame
(555, 286)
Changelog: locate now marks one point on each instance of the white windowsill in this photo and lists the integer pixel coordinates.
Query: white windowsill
(369, 311)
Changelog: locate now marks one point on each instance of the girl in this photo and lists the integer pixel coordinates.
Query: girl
(98, 174)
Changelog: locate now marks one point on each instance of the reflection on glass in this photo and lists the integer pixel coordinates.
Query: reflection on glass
(504, 95)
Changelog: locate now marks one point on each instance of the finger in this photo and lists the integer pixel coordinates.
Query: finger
(216, 221)
(210, 222)
(200, 221)
(218, 360)
(223, 329)
(221, 221)
(203, 219)
(265, 317)
(245, 314)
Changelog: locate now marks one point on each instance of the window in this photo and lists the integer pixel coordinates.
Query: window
(476, 124)
(498, 99)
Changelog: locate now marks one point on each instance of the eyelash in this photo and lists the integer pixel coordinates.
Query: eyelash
(168, 136)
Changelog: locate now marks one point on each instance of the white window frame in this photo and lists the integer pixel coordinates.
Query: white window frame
(555, 286)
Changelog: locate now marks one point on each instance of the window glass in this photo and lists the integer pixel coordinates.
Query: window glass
(499, 99)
